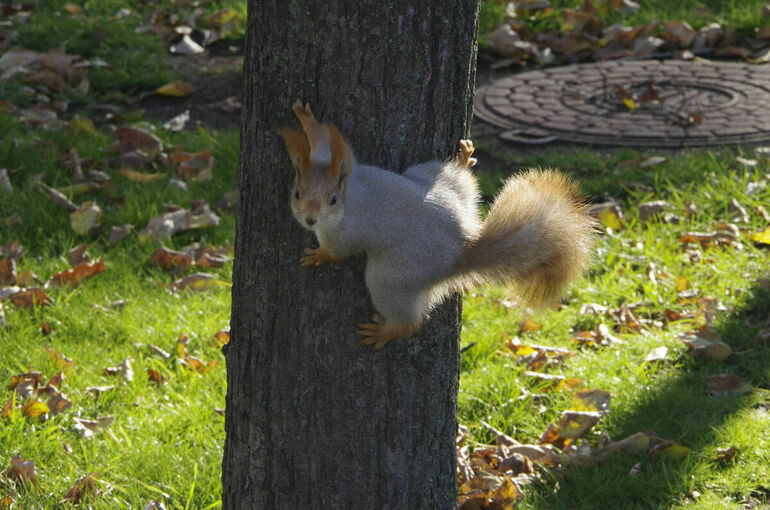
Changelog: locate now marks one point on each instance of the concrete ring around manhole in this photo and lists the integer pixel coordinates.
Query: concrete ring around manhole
(646, 103)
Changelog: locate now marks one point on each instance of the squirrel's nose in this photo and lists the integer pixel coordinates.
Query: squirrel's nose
(310, 221)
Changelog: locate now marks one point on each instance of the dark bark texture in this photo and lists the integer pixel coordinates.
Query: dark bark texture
(315, 420)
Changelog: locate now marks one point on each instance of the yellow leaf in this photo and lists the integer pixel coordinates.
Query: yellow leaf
(133, 175)
(681, 283)
(670, 450)
(528, 325)
(34, 409)
(175, 89)
(761, 237)
(610, 218)
(630, 104)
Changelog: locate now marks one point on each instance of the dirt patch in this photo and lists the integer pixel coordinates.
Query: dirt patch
(216, 79)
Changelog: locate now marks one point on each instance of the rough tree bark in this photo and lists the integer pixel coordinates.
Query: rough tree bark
(313, 419)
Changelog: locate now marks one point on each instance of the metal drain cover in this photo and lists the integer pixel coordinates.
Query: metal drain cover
(698, 103)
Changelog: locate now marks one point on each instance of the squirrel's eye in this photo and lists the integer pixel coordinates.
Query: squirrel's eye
(296, 194)
(334, 200)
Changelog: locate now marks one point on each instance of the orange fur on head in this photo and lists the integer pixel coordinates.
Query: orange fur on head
(298, 148)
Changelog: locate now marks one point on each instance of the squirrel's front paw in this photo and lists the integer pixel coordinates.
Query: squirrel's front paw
(313, 257)
(466, 151)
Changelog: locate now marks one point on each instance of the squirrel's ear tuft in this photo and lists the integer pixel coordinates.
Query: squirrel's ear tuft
(298, 148)
(317, 134)
(342, 160)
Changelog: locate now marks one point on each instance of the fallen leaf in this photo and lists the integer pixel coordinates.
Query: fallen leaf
(198, 365)
(124, 370)
(98, 390)
(7, 272)
(527, 325)
(671, 450)
(591, 400)
(181, 345)
(155, 377)
(657, 354)
(90, 427)
(165, 258)
(160, 352)
(85, 218)
(175, 89)
(706, 345)
(649, 209)
(186, 46)
(118, 233)
(222, 337)
(612, 217)
(164, 226)
(83, 487)
(726, 384)
(33, 409)
(57, 197)
(725, 455)
(133, 175)
(199, 282)
(133, 139)
(154, 505)
(60, 361)
(58, 403)
(761, 237)
(195, 167)
(21, 471)
(82, 272)
(30, 298)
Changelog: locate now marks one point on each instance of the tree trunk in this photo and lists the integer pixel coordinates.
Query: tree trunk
(315, 420)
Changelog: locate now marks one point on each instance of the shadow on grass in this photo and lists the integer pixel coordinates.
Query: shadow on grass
(683, 410)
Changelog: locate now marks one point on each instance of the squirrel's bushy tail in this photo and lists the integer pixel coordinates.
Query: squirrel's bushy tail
(536, 239)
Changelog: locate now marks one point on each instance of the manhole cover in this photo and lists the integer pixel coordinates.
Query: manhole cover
(697, 103)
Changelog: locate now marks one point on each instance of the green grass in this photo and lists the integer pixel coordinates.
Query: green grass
(672, 399)
(741, 15)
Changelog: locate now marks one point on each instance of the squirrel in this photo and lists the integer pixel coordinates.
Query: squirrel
(421, 231)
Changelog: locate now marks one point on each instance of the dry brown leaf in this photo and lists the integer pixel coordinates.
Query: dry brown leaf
(7, 272)
(195, 167)
(132, 139)
(60, 361)
(80, 273)
(165, 258)
(84, 486)
(124, 370)
(25, 384)
(198, 282)
(90, 427)
(706, 345)
(167, 224)
(11, 249)
(725, 455)
(527, 325)
(199, 365)
(78, 255)
(21, 471)
(160, 352)
(221, 337)
(649, 209)
(98, 390)
(30, 298)
(56, 380)
(155, 377)
(58, 403)
(118, 233)
(726, 384)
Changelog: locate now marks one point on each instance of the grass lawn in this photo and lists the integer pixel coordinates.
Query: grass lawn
(165, 440)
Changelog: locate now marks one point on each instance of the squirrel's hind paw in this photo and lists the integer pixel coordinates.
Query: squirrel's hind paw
(382, 331)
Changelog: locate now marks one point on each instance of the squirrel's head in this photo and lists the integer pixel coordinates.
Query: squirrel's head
(322, 163)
